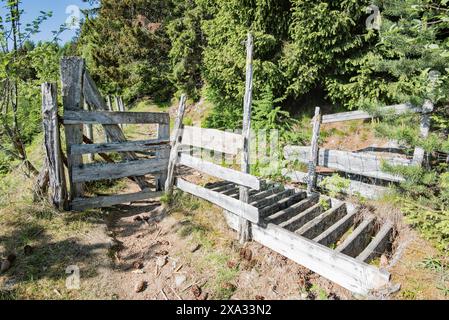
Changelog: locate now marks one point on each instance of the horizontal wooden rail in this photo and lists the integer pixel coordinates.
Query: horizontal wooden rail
(362, 115)
(212, 139)
(108, 171)
(356, 163)
(106, 117)
(217, 171)
(80, 204)
(136, 146)
(233, 205)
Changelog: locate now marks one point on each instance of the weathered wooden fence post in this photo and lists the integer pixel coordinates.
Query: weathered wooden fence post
(418, 155)
(313, 160)
(89, 132)
(175, 144)
(163, 133)
(72, 72)
(244, 224)
(52, 143)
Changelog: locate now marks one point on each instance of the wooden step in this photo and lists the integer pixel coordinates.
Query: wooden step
(266, 193)
(378, 245)
(283, 204)
(318, 225)
(359, 238)
(272, 199)
(293, 210)
(223, 187)
(336, 231)
(304, 217)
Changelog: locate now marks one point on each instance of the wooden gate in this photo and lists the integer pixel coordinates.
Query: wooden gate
(83, 107)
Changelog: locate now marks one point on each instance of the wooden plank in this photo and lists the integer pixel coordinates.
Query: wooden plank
(72, 71)
(52, 143)
(113, 132)
(244, 225)
(293, 210)
(80, 204)
(89, 134)
(301, 219)
(105, 117)
(163, 132)
(378, 245)
(283, 204)
(356, 276)
(144, 145)
(362, 115)
(358, 239)
(220, 172)
(175, 144)
(313, 158)
(271, 199)
(355, 163)
(222, 187)
(356, 188)
(321, 223)
(109, 171)
(212, 139)
(336, 231)
(235, 206)
(266, 193)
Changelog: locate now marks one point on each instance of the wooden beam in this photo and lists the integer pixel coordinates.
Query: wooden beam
(272, 198)
(356, 276)
(293, 210)
(175, 144)
(104, 117)
(235, 206)
(363, 115)
(356, 163)
(321, 223)
(109, 171)
(356, 188)
(52, 143)
(89, 133)
(220, 172)
(282, 204)
(80, 204)
(113, 132)
(145, 145)
(72, 72)
(313, 157)
(212, 139)
(358, 239)
(424, 129)
(301, 219)
(378, 245)
(336, 231)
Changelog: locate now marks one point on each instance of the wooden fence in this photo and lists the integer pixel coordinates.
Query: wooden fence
(78, 89)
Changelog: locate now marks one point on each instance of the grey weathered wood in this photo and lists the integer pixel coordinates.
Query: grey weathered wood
(118, 108)
(220, 172)
(80, 204)
(266, 193)
(113, 132)
(293, 210)
(358, 239)
(102, 117)
(212, 139)
(356, 276)
(235, 206)
(90, 134)
(40, 187)
(244, 225)
(321, 223)
(273, 198)
(109, 103)
(336, 231)
(301, 219)
(362, 115)
(223, 187)
(356, 188)
(72, 72)
(356, 163)
(52, 144)
(122, 105)
(109, 171)
(313, 157)
(282, 204)
(144, 145)
(424, 129)
(163, 132)
(378, 245)
(175, 145)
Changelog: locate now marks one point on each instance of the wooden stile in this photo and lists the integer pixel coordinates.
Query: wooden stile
(313, 157)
